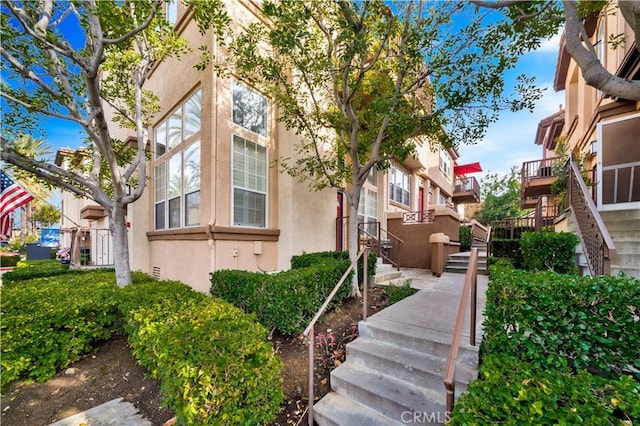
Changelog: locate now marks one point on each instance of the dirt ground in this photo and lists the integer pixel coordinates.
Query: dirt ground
(112, 373)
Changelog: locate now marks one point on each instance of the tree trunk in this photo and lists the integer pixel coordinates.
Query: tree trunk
(118, 228)
(353, 197)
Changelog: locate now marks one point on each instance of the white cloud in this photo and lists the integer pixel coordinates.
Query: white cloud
(551, 45)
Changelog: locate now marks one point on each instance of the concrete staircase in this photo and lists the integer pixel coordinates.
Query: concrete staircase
(624, 228)
(459, 262)
(385, 272)
(394, 371)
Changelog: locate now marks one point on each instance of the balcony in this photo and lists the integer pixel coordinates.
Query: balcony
(92, 212)
(537, 177)
(466, 190)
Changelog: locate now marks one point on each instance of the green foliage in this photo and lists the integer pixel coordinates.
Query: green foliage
(214, 361)
(510, 392)
(46, 215)
(563, 322)
(464, 236)
(32, 269)
(49, 322)
(501, 196)
(507, 248)
(287, 300)
(554, 251)
(309, 259)
(9, 259)
(397, 292)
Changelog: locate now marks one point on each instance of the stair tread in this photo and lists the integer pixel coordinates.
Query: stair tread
(340, 410)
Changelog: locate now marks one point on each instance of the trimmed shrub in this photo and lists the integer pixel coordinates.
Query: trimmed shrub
(287, 300)
(552, 251)
(465, 238)
(509, 249)
(510, 392)
(214, 361)
(49, 322)
(32, 269)
(9, 259)
(564, 321)
(309, 259)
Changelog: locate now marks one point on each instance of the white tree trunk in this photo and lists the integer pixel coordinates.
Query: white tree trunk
(353, 197)
(118, 227)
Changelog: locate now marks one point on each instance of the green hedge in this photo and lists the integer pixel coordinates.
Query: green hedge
(287, 300)
(47, 323)
(559, 321)
(510, 392)
(464, 236)
(9, 259)
(214, 361)
(32, 269)
(509, 249)
(305, 260)
(552, 251)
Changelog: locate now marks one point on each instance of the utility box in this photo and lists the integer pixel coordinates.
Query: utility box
(35, 251)
(438, 257)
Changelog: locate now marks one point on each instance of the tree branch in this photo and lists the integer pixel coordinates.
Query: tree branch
(141, 27)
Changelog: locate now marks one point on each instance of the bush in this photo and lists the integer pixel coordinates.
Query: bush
(214, 361)
(465, 238)
(309, 259)
(32, 269)
(562, 321)
(553, 251)
(287, 300)
(47, 323)
(9, 259)
(509, 249)
(396, 293)
(510, 392)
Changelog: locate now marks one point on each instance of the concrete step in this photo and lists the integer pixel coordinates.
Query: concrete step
(624, 235)
(386, 276)
(414, 367)
(337, 410)
(628, 271)
(623, 225)
(386, 394)
(433, 342)
(628, 247)
(463, 270)
(627, 260)
(615, 215)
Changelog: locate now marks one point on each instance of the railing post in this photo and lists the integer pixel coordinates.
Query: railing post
(365, 284)
(311, 340)
(474, 299)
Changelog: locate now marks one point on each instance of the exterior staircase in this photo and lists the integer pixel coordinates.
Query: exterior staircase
(385, 273)
(394, 371)
(624, 228)
(458, 263)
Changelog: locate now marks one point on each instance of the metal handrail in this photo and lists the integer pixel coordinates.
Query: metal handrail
(470, 285)
(308, 332)
(421, 216)
(378, 239)
(593, 234)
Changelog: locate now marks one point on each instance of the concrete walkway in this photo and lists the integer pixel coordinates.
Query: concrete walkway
(113, 413)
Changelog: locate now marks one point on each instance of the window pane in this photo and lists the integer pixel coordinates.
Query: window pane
(175, 129)
(249, 208)
(161, 139)
(160, 220)
(249, 109)
(175, 176)
(160, 182)
(192, 167)
(174, 212)
(192, 209)
(192, 114)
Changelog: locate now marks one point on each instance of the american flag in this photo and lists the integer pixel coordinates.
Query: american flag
(13, 196)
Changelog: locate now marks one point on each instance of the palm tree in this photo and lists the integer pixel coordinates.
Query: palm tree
(37, 149)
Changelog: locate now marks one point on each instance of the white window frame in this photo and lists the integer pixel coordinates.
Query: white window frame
(263, 132)
(234, 186)
(404, 184)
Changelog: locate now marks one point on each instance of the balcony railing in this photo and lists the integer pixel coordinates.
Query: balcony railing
(537, 177)
(423, 216)
(385, 244)
(597, 243)
(466, 190)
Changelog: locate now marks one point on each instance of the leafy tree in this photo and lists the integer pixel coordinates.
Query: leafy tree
(358, 81)
(73, 61)
(551, 13)
(501, 196)
(46, 215)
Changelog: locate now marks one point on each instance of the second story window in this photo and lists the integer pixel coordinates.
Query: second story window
(250, 109)
(445, 163)
(399, 184)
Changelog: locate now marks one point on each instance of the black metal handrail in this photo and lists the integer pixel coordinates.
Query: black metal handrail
(381, 246)
(593, 234)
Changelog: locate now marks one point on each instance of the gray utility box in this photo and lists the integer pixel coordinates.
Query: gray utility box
(35, 251)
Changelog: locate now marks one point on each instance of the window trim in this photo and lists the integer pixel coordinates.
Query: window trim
(238, 83)
(391, 176)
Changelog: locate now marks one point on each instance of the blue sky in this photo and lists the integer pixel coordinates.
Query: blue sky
(510, 141)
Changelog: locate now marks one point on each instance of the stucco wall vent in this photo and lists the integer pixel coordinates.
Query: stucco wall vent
(156, 272)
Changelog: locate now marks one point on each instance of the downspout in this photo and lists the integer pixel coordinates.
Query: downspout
(213, 203)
